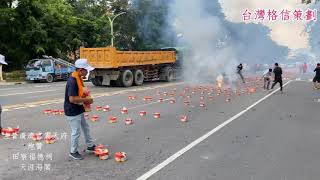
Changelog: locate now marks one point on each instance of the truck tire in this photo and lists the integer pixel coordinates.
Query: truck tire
(93, 81)
(167, 73)
(66, 76)
(49, 78)
(97, 81)
(138, 77)
(126, 78)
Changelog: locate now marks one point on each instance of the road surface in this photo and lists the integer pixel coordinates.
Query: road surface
(258, 135)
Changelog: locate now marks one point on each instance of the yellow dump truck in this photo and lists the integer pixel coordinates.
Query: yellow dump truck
(127, 68)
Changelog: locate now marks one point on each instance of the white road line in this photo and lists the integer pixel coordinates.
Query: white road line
(26, 93)
(202, 138)
(57, 85)
(4, 89)
(31, 105)
(33, 86)
(301, 80)
(19, 108)
(46, 95)
(40, 86)
(99, 95)
(20, 88)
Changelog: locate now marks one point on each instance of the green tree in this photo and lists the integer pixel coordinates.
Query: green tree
(32, 28)
(154, 31)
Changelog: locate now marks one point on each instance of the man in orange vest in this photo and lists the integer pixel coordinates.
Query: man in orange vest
(74, 108)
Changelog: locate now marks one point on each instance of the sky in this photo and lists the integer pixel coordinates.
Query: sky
(283, 33)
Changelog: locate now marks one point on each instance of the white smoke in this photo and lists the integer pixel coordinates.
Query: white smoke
(213, 44)
(313, 29)
(218, 46)
(205, 37)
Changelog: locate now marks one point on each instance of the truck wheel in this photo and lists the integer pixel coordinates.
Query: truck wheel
(138, 77)
(93, 81)
(168, 74)
(97, 81)
(126, 78)
(49, 78)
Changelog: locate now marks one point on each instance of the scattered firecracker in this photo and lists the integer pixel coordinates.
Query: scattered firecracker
(156, 115)
(95, 118)
(120, 156)
(124, 110)
(128, 121)
(112, 119)
(49, 139)
(106, 108)
(142, 113)
(36, 136)
(183, 118)
(98, 108)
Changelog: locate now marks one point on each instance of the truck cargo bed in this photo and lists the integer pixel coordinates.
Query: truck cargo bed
(110, 58)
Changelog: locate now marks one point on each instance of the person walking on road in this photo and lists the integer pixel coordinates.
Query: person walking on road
(266, 79)
(316, 78)
(74, 109)
(239, 69)
(277, 76)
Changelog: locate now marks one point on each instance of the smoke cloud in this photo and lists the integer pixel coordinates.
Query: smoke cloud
(313, 29)
(217, 45)
(213, 45)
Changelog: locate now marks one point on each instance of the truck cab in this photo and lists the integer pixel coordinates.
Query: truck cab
(48, 69)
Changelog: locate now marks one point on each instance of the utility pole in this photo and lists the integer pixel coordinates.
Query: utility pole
(111, 26)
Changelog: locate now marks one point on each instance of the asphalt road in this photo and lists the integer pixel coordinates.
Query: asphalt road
(276, 138)
(36, 92)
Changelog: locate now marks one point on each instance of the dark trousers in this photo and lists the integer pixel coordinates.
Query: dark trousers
(266, 83)
(316, 79)
(277, 80)
(241, 76)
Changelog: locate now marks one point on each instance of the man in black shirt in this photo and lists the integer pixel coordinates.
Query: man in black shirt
(74, 110)
(239, 69)
(277, 76)
(317, 76)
